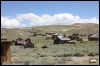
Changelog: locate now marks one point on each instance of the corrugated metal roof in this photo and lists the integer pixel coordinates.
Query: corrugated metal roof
(63, 38)
(96, 35)
(60, 37)
(66, 39)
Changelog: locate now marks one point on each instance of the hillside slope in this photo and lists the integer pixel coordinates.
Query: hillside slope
(75, 28)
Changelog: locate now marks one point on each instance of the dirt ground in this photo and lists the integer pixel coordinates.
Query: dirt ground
(74, 61)
(53, 55)
(83, 60)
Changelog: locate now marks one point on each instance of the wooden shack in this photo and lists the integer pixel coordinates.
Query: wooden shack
(61, 39)
(74, 37)
(5, 50)
(93, 37)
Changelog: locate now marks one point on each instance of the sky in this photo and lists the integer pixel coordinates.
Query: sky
(40, 13)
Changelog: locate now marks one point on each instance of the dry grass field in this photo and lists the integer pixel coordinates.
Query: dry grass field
(62, 54)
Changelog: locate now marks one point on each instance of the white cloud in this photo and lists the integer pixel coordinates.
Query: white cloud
(92, 20)
(40, 20)
(7, 22)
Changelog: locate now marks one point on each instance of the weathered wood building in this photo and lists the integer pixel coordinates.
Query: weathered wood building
(61, 40)
(5, 50)
(93, 37)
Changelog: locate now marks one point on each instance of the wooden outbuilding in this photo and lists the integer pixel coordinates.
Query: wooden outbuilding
(5, 50)
(74, 37)
(61, 40)
(93, 37)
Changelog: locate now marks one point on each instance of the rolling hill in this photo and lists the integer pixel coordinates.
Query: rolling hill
(80, 28)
